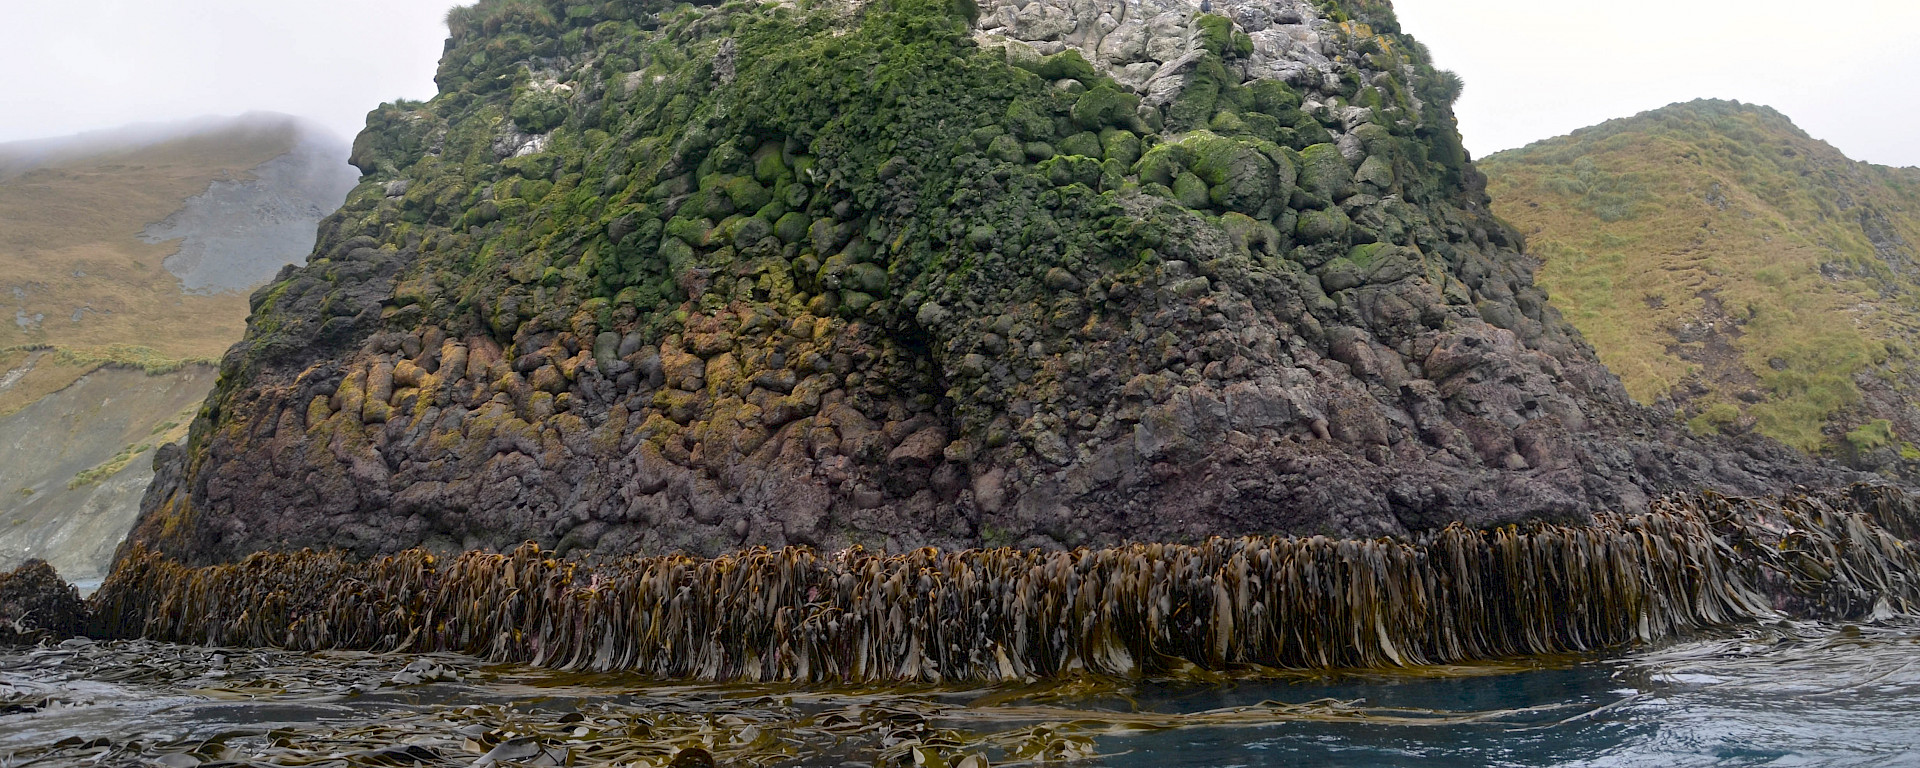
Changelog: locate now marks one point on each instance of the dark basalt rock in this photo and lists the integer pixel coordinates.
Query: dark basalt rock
(825, 278)
(36, 604)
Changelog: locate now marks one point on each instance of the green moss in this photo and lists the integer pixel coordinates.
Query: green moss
(1068, 64)
(883, 151)
(538, 111)
(1191, 191)
(1085, 143)
(1325, 226)
(1120, 146)
(1872, 435)
(1324, 173)
(792, 227)
(1007, 149)
(1072, 169)
(1163, 164)
(1106, 106)
(768, 166)
(1216, 34)
(865, 278)
(1029, 119)
(1274, 97)
(745, 193)
(1245, 176)
(1362, 255)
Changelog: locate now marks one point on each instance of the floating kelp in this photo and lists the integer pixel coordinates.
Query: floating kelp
(375, 711)
(857, 617)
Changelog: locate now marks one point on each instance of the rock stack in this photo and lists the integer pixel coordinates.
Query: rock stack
(646, 278)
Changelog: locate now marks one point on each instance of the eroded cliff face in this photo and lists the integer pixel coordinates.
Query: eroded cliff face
(914, 273)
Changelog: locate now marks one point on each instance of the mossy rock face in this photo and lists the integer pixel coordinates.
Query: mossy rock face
(1377, 172)
(1072, 169)
(1324, 172)
(1221, 38)
(792, 227)
(874, 285)
(1006, 148)
(1027, 119)
(1120, 146)
(1066, 65)
(1084, 143)
(538, 111)
(1163, 164)
(1324, 226)
(1191, 191)
(750, 231)
(1106, 107)
(1242, 175)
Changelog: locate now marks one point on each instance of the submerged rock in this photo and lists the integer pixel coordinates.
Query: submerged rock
(696, 278)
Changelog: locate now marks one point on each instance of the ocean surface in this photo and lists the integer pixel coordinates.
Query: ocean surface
(1791, 694)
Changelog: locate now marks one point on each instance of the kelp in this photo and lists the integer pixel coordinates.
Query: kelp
(448, 710)
(989, 616)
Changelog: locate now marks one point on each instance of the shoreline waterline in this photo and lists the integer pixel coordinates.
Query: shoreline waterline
(1818, 693)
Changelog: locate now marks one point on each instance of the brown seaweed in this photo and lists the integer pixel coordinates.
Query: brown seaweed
(560, 718)
(989, 616)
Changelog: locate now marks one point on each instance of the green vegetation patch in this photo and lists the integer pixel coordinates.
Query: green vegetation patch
(108, 468)
(1716, 242)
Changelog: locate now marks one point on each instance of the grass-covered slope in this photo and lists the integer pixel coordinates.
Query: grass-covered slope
(104, 349)
(655, 277)
(1726, 263)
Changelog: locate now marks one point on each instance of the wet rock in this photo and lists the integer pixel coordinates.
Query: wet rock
(923, 448)
(36, 604)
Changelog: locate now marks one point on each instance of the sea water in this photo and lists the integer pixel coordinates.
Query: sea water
(1790, 694)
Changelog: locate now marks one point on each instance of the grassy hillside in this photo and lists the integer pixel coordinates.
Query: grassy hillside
(74, 273)
(1725, 262)
(88, 305)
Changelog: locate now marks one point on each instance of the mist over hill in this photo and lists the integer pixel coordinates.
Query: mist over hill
(125, 259)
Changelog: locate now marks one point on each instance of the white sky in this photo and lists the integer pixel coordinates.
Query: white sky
(1847, 71)
(76, 65)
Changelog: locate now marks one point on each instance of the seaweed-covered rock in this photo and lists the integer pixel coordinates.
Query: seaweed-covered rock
(36, 604)
(874, 274)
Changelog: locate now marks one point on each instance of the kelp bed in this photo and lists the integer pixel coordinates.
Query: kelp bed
(448, 710)
(858, 618)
